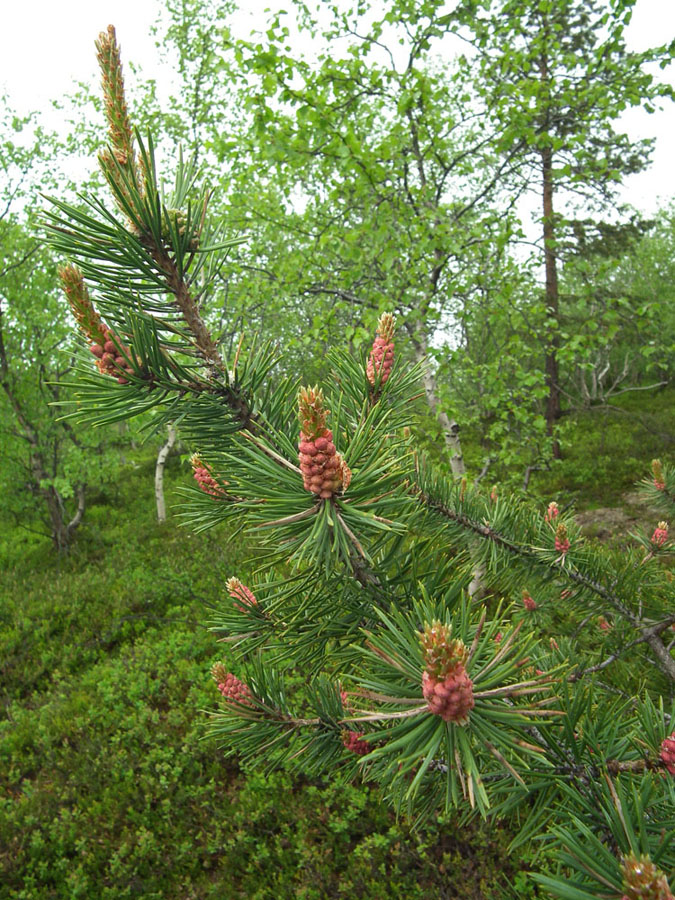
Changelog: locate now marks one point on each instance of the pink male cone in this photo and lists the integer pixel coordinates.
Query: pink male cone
(450, 698)
(446, 685)
(324, 472)
(667, 753)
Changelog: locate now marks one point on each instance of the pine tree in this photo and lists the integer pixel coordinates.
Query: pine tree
(357, 652)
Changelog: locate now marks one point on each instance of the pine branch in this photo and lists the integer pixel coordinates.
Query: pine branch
(528, 556)
(647, 632)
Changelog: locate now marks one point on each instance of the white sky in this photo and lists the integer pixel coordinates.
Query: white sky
(47, 46)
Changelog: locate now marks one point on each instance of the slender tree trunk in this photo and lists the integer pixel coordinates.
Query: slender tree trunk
(552, 296)
(56, 519)
(452, 445)
(551, 270)
(419, 339)
(449, 426)
(159, 472)
(62, 531)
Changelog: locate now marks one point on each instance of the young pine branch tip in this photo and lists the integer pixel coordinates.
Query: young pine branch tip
(324, 472)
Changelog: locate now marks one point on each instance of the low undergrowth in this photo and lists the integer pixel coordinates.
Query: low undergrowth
(110, 790)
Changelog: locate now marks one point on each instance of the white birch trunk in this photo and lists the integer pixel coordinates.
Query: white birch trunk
(449, 426)
(159, 472)
(452, 444)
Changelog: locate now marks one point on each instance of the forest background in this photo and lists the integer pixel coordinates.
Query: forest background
(364, 181)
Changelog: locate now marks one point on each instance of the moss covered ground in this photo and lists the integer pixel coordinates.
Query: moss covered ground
(109, 788)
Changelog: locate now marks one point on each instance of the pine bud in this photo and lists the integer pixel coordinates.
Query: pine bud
(657, 471)
(660, 535)
(218, 672)
(446, 685)
(552, 512)
(88, 320)
(642, 880)
(667, 753)
(113, 89)
(462, 490)
(562, 544)
(603, 624)
(121, 153)
(441, 652)
(381, 359)
(239, 591)
(178, 219)
(528, 602)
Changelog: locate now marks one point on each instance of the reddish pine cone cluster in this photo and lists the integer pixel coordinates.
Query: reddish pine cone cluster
(239, 591)
(562, 544)
(230, 686)
(667, 753)
(450, 698)
(660, 535)
(204, 477)
(528, 602)
(446, 685)
(642, 880)
(352, 740)
(657, 472)
(324, 472)
(381, 359)
(109, 357)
